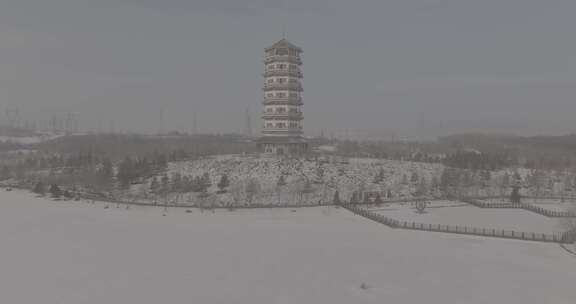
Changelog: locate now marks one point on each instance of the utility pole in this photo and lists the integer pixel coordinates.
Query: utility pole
(194, 123)
(161, 126)
(13, 115)
(421, 126)
(112, 127)
(248, 123)
(69, 123)
(99, 130)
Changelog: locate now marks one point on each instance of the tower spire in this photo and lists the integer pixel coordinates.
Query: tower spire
(284, 31)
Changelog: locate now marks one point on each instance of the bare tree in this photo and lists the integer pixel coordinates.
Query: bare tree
(252, 188)
(420, 206)
(307, 189)
(236, 192)
(279, 186)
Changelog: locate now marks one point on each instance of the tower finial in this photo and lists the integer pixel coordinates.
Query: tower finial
(284, 31)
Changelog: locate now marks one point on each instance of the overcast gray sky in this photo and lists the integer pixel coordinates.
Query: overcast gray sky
(405, 65)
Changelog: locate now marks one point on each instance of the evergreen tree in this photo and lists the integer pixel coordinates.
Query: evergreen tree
(404, 179)
(102, 177)
(515, 195)
(107, 169)
(378, 199)
(336, 199)
(355, 197)
(176, 182)
(505, 183)
(251, 189)
(55, 191)
(154, 186)
(186, 184)
(205, 182)
(414, 178)
(5, 172)
(320, 174)
(196, 184)
(279, 185)
(378, 178)
(435, 185)
(223, 183)
(486, 177)
(126, 172)
(281, 181)
(445, 181)
(506, 179)
(421, 188)
(39, 188)
(165, 185)
(307, 187)
(67, 194)
(537, 181)
(367, 199)
(517, 179)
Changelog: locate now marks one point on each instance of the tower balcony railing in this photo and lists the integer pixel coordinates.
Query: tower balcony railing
(289, 72)
(283, 58)
(283, 86)
(282, 130)
(284, 115)
(283, 101)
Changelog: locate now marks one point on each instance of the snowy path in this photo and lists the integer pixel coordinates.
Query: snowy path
(62, 252)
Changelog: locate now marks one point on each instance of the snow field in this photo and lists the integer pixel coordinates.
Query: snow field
(79, 253)
(466, 215)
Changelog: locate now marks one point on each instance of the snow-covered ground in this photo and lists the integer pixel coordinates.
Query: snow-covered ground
(553, 205)
(466, 215)
(29, 139)
(392, 206)
(556, 207)
(548, 204)
(78, 253)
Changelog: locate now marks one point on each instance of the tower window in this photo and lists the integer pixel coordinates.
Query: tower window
(282, 52)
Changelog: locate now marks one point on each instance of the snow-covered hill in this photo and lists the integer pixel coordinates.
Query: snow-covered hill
(324, 178)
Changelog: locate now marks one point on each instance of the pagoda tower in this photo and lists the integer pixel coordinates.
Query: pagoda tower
(282, 116)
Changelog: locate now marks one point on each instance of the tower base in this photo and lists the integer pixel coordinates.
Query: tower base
(282, 145)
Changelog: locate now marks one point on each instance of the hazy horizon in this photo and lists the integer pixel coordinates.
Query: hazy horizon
(416, 68)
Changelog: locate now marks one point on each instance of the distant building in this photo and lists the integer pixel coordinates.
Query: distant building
(282, 117)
